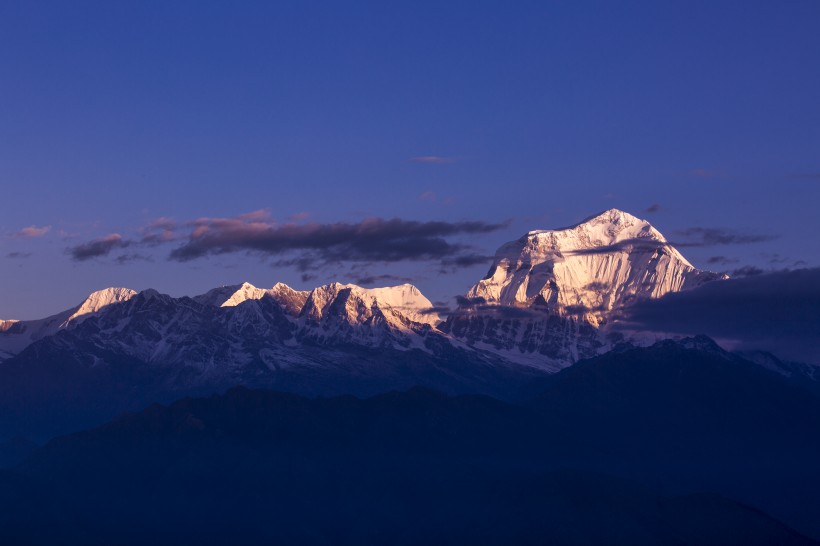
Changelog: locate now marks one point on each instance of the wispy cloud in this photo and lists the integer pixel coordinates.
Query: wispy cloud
(18, 255)
(746, 271)
(721, 260)
(158, 231)
(698, 236)
(299, 216)
(434, 159)
(654, 207)
(136, 257)
(704, 173)
(369, 280)
(690, 237)
(31, 232)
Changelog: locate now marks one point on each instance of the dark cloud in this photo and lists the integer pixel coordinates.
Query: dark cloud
(746, 271)
(467, 306)
(640, 243)
(302, 264)
(373, 240)
(691, 237)
(698, 236)
(654, 207)
(374, 279)
(18, 255)
(437, 310)
(467, 260)
(128, 258)
(98, 247)
(721, 260)
(776, 311)
(464, 301)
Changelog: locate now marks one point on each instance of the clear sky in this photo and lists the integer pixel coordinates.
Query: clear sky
(185, 145)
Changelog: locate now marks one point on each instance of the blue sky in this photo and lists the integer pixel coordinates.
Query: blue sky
(532, 115)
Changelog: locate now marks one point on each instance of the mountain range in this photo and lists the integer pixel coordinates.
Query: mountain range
(528, 413)
(550, 299)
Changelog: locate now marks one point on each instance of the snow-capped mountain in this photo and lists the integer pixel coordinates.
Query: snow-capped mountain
(549, 295)
(152, 347)
(233, 295)
(546, 303)
(588, 269)
(16, 335)
(549, 300)
(234, 332)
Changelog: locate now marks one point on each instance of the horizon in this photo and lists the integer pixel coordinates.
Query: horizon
(373, 283)
(395, 280)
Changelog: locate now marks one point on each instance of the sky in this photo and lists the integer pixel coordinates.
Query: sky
(186, 145)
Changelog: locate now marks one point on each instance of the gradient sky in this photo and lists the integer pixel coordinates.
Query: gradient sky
(538, 114)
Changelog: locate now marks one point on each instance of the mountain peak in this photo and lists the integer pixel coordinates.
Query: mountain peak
(587, 269)
(99, 299)
(404, 299)
(246, 291)
(606, 228)
(613, 216)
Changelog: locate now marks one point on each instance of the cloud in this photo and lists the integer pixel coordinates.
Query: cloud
(433, 159)
(304, 246)
(464, 301)
(158, 231)
(630, 245)
(18, 255)
(374, 279)
(260, 215)
(746, 271)
(467, 260)
(703, 173)
(776, 311)
(98, 247)
(427, 196)
(128, 258)
(691, 237)
(698, 236)
(299, 216)
(654, 207)
(721, 260)
(31, 232)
